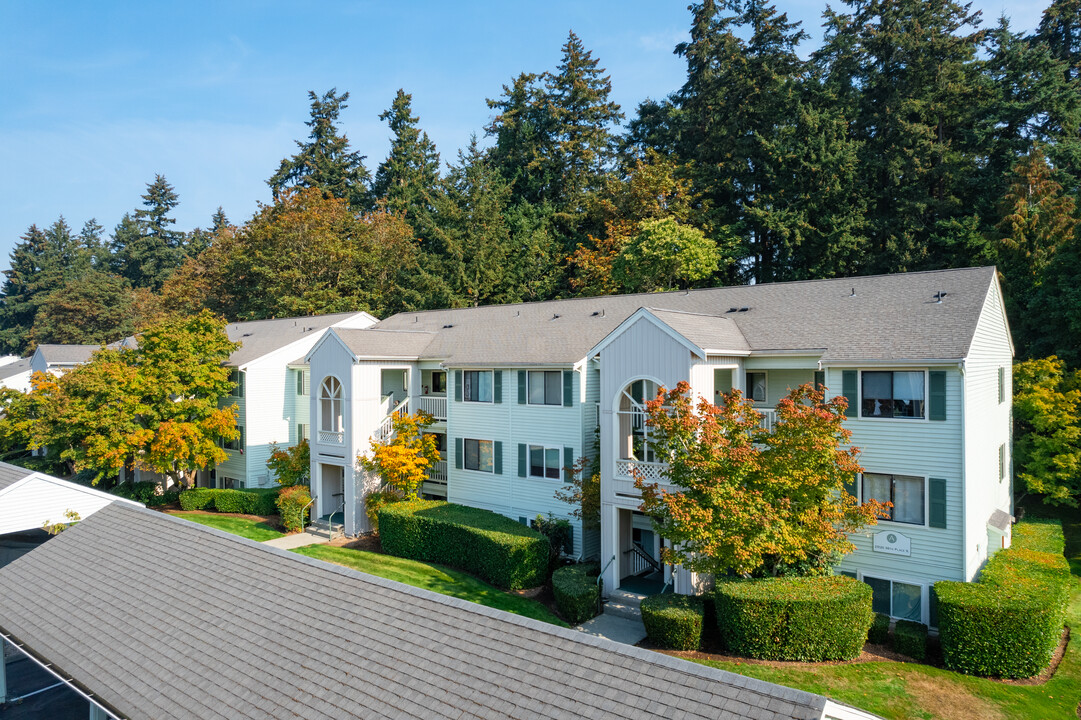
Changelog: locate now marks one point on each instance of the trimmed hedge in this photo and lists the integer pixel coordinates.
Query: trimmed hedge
(674, 621)
(146, 492)
(262, 501)
(486, 544)
(1009, 623)
(576, 591)
(879, 634)
(910, 638)
(798, 618)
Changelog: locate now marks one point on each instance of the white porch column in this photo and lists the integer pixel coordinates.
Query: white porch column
(610, 546)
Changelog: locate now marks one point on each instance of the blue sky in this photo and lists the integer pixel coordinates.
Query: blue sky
(95, 98)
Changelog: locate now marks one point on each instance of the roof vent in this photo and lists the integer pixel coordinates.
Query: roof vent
(939, 295)
(556, 316)
(733, 309)
(744, 309)
(853, 293)
(447, 326)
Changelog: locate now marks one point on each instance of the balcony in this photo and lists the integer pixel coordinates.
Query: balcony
(436, 484)
(434, 405)
(330, 437)
(769, 418)
(648, 471)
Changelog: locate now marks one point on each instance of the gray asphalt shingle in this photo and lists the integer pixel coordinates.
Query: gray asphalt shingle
(11, 474)
(163, 618)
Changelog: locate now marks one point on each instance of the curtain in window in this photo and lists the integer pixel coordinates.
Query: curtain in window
(908, 499)
(536, 388)
(484, 385)
(907, 601)
(876, 487)
(908, 386)
(486, 456)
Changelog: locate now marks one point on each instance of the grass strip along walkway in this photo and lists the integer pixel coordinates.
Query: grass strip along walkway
(436, 578)
(251, 528)
(910, 691)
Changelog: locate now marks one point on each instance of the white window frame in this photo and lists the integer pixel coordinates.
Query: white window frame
(465, 455)
(237, 390)
(926, 396)
(465, 386)
(545, 449)
(637, 415)
(543, 373)
(323, 386)
(303, 384)
(926, 498)
(925, 593)
(236, 445)
(747, 389)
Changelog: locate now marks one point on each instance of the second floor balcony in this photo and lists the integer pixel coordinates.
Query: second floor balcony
(434, 405)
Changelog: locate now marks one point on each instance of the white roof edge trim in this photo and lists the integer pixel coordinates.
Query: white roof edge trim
(68, 484)
(804, 352)
(497, 366)
(904, 362)
(18, 483)
(640, 313)
(731, 353)
(319, 343)
(836, 711)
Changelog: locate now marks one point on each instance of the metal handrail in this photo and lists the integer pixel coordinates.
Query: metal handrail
(600, 582)
(304, 509)
(330, 520)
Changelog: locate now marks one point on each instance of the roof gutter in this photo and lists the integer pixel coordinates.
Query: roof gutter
(900, 362)
(71, 682)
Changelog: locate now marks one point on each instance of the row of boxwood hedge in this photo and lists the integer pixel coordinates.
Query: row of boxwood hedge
(261, 501)
(799, 618)
(674, 621)
(1009, 623)
(486, 544)
(147, 493)
(576, 592)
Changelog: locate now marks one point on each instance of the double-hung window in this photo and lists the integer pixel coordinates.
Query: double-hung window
(479, 455)
(545, 387)
(303, 382)
(237, 378)
(237, 443)
(896, 394)
(544, 462)
(906, 492)
(756, 387)
(477, 386)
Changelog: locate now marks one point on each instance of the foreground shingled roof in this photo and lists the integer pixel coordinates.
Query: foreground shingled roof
(879, 318)
(159, 618)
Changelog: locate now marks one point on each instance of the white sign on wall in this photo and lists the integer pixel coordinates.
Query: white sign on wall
(892, 542)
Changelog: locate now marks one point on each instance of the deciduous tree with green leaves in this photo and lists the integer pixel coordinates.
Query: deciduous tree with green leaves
(665, 255)
(291, 466)
(1047, 429)
(743, 500)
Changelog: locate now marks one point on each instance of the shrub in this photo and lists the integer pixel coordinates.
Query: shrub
(197, 499)
(291, 504)
(674, 621)
(560, 536)
(261, 501)
(910, 638)
(794, 618)
(576, 591)
(879, 634)
(489, 545)
(1009, 623)
(166, 498)
(139, 492)
(373, 501)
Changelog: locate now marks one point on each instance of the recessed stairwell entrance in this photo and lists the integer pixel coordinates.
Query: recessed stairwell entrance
(331, 497)
(640, 568)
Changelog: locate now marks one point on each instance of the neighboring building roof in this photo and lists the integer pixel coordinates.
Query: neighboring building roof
(875, 318)
(251, 631)
(66, 354)
(386, 343)
(16, 368)
(260, 337)
(1000, 520)
(11, 474)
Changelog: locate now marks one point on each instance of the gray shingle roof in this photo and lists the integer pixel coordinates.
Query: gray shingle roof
(15, 368)
(709, 332)
(259, 337)
(11, 474)
(889, 317)
(163, 618)
(386, 343)
(67, 354)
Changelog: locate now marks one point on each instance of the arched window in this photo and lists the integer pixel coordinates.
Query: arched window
(633, 430)
(330, 405)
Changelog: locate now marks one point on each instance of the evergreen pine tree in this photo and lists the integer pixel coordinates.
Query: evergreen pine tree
(145, 248)
(1060, 31)
(326, 160)
(406, 181)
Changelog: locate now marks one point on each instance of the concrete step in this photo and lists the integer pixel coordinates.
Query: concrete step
(322, 529)
(621, 603)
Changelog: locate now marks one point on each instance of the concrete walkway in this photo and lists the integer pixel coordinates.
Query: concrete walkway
(621, 629)
(296, 540)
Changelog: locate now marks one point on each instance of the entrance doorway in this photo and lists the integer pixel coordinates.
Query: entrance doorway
(331, 491)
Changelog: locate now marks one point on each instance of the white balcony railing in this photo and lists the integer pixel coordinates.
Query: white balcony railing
(330, 437)
(434, 405)
(648, 471)
(437, 473)
(769, 418)
(386, 428)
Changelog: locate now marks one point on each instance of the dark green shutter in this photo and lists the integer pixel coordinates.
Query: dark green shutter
(458, 386)
(568, 388)
(498, 459)
(937, 506)
(850, 485)
(937, 395)
(522, 452)
(521, 387)
(497, 385)
(458, 453)
(568, 462)
(820, 378)
(848, 389)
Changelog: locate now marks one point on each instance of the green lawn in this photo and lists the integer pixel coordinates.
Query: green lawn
(431, 577)
(905, 690)
(244, 527)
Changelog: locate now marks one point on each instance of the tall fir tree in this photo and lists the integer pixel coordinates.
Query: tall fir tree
(407, 180)
(1060, 31)
(145, 248)
(326, 160)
